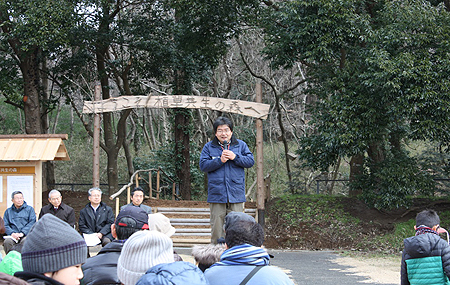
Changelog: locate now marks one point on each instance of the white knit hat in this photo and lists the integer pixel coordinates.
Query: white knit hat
(159, 222)
(143, 250)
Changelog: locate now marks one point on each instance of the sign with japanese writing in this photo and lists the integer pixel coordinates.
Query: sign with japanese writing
(251, 109)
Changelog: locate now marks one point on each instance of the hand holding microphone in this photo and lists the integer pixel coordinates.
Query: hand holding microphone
(226, 153)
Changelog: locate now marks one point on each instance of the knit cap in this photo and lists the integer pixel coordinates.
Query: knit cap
(143, 250)
(234, 217)
(51, 245)
(159, 222)
(11, 263)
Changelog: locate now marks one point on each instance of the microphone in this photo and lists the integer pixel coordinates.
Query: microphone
(225, 144)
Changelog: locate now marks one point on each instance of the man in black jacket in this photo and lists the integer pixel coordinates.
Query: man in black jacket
(102, 268)
(58, 208)
(97, 217)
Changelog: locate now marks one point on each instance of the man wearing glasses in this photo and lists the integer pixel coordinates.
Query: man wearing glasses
(224, 159)
(58, 208)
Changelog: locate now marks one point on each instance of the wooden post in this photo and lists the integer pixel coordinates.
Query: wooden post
(150, 184)
(137, 180)
(117, 206)
(128, 195)
(173, 192)
(157, 184)
(260, 193)
(96, 149)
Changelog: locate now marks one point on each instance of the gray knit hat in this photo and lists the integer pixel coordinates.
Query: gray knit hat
(233, 217)
(51, 245)
(143, 250)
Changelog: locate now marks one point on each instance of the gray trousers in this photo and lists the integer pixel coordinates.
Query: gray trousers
(9, 243)
(218, 213)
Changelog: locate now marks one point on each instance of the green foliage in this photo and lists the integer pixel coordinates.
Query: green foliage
(380, 75)
(393, 182)
(164, 158)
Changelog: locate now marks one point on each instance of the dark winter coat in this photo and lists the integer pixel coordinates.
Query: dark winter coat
(100, 222)
(226, 181)
(6, 279)
(19, 220)
(36, 278)
(175, 273)
(420, 247)
(102, 268)
(64, 212)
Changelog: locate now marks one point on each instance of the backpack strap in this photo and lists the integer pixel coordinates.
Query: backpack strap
(250, 275)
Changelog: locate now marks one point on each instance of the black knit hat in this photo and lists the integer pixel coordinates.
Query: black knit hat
(51, 245)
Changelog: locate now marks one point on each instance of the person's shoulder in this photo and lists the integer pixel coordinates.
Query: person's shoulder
(241, 142)
(103, 205)
(86, 207)
(274, 274)
(66, 207)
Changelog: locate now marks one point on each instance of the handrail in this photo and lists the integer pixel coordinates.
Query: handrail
(132, 178)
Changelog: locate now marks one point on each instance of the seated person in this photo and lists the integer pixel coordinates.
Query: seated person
(137, 197)
(245, 257)
(96, 217)
(53, 253)
(102, 268)
(58, 208)
(19, 218)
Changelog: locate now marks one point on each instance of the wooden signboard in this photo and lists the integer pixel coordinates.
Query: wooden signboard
(251, 109)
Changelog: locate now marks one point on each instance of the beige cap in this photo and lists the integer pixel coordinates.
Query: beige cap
(159, 222)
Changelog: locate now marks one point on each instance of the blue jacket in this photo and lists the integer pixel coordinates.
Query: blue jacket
(19, 220)
(175, 273)
(226, 181)
(234, 274)
(420, 247)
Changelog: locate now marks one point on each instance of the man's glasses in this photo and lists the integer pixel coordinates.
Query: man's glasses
(224, 131)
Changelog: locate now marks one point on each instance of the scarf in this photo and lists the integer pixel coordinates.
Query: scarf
(244, 254)
(425, 230)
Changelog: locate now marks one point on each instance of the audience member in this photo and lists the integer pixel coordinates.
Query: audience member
(159, 222)
(245, 258)
(137, 197)
(19, 218)
(52, 253)
(58, 208)
(175, 273)
(142, 251)
(97, 217)
(233, 217)
(208, 254)
(102, 268)
(426, 257)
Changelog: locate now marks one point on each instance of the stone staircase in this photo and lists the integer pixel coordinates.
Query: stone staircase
(191, 224)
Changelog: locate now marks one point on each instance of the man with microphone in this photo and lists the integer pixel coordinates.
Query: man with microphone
(224, 160)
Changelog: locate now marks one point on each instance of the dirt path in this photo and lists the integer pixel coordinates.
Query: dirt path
(379, 270)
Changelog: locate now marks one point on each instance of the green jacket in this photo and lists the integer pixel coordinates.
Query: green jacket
(426, 270)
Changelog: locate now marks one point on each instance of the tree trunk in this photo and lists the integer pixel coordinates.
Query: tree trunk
(32, 110)
(182, 152)
(356, 165)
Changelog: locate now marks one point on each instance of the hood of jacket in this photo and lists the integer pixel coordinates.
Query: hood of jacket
(175, 273)
(421, 245)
